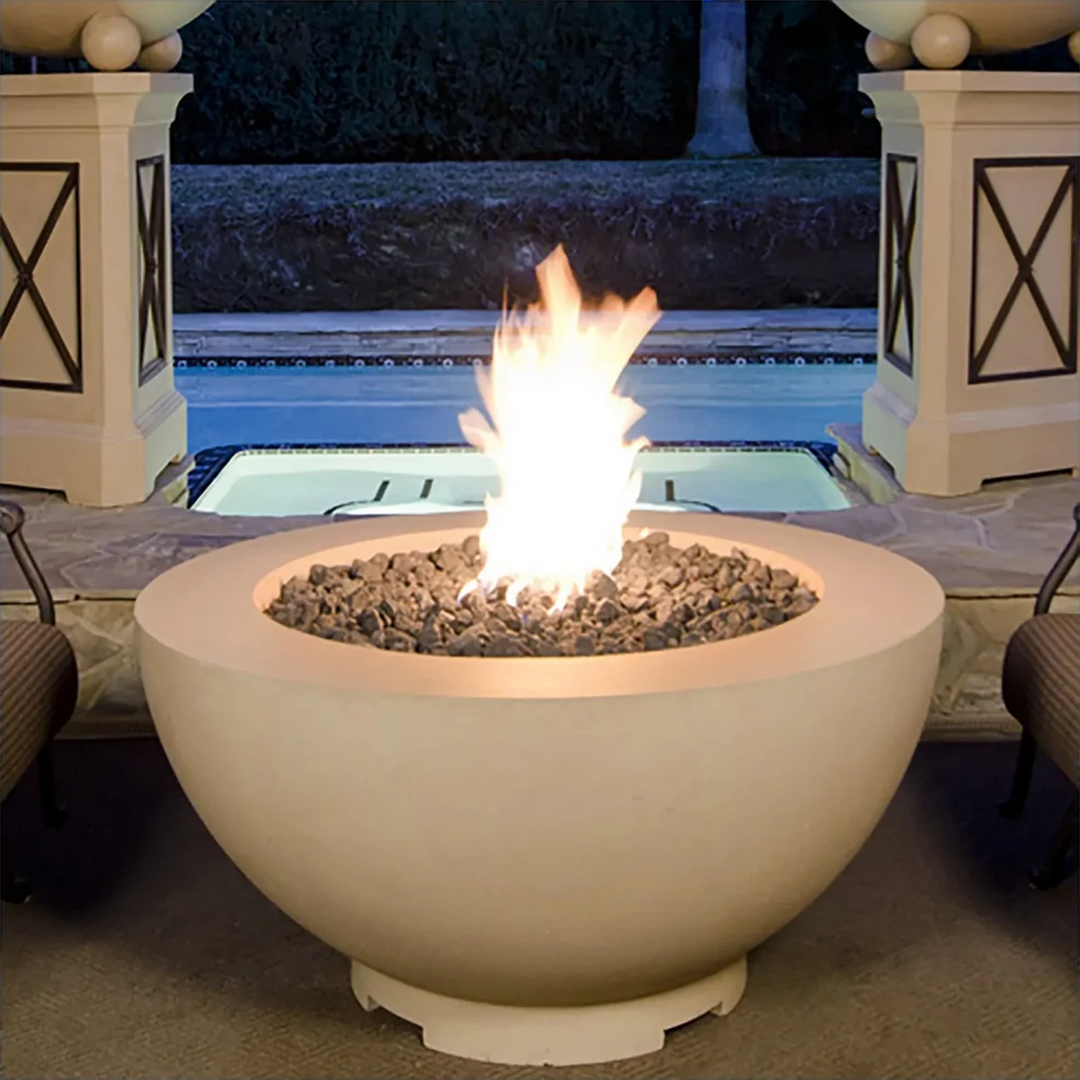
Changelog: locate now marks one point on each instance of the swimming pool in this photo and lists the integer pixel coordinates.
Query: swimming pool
(364, 480)
(342, 406)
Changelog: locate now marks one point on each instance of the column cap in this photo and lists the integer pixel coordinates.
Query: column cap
(96, 83)
(982, 82)
(92, 100)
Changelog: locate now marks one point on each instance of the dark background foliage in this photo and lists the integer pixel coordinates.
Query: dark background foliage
(749, 233)
(322, 80)
(294, 81)
(802, 63)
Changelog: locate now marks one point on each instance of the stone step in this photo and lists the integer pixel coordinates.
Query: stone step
(842, 332)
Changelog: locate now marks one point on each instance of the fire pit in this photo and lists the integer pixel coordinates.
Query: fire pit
(542, 860)
(540, 855)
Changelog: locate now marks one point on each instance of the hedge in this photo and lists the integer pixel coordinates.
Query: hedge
(803, 62)
(353, 81)
(748, 233)
(367, 80)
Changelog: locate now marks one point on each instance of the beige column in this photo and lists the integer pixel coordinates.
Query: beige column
(979, 283)
(86, 381)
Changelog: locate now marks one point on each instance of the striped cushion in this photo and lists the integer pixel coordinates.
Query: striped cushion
(1040, 683)
(38, 687)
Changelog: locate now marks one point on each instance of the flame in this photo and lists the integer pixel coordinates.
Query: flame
(557, 436)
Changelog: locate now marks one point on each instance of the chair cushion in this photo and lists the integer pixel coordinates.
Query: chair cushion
(1040, 682)
(39, 683)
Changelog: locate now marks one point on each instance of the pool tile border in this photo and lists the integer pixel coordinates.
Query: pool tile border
(742, 358)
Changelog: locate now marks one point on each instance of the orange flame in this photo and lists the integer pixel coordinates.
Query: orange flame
(557, 436)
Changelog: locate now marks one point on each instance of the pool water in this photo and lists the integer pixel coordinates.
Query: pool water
(351, 481)
(342, 407)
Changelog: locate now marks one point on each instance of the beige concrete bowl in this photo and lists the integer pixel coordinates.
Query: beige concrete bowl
(110, 34)
(943, 32)
(542, 860)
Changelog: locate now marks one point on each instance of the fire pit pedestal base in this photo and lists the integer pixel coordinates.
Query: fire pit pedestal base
(513, 1035)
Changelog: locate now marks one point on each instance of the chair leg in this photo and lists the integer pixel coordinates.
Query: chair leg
(13, 889)
(54, 813)
(1058, 866)
(1013, 806)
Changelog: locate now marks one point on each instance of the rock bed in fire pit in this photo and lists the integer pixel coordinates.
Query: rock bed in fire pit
(658, 597)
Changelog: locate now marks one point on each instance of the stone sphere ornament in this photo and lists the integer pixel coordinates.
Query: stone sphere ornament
(110, 42)
(887, 55)
(110, 35)
(941, 41)
(943, 33)
(162, 55)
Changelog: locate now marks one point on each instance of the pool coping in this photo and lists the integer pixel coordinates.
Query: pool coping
(1005, 536)
(432, 335)
(989, 551)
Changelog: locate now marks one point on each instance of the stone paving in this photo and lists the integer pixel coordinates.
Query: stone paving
(990, 551)
(840, 331)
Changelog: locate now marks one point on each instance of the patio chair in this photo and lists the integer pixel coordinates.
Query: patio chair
(39, 683)
(1040, 683)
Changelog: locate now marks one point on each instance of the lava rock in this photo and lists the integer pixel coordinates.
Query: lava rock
(584, 645)
(658, 597)
(607, 611)
(604, 588)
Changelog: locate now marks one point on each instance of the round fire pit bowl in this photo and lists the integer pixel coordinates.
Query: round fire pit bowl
(542, 860)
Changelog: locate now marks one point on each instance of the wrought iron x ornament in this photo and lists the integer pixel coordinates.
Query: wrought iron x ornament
(25, 285)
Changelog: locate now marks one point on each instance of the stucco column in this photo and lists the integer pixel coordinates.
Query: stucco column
(979, 283)
(88, 402)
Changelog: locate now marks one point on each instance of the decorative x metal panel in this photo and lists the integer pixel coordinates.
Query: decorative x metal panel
(1067, 196)
(153, 282)
(899, 238)
(26, 287)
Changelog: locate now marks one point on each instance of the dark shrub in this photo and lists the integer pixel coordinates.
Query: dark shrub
(363, 80)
